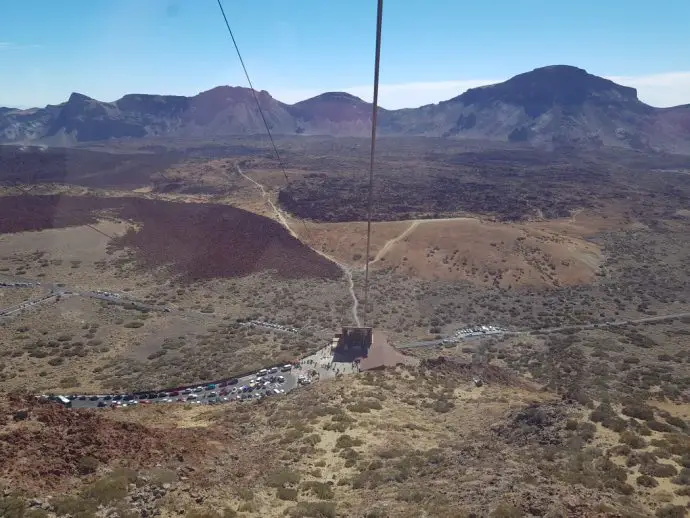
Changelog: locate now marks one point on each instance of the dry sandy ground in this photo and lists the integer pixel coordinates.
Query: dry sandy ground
(72, 317)
(71, 256)
(541, 253)
(484, 252)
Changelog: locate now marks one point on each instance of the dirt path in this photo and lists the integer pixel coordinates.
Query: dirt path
(280, 216)
(413, 224)
(389, 244)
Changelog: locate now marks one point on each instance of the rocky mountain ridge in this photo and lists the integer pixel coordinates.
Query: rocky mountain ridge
(550, 106)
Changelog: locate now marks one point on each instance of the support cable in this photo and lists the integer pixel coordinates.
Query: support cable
(377, 60)
(258, 105)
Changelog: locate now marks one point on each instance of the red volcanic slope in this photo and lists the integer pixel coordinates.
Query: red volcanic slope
(195, 241)
(43, 447)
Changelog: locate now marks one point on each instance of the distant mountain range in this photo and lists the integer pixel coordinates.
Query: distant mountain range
(552, 106)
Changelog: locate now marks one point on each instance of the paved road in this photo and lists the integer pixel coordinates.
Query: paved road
(197, 394)
(577, 327)
(27, 304)
(318, 366)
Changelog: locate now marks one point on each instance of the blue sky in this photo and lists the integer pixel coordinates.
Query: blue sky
(432, 49)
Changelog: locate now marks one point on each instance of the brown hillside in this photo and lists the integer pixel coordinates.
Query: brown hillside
(195, 241)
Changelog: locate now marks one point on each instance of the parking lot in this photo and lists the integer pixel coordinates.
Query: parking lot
(265, 383)
(271, 382)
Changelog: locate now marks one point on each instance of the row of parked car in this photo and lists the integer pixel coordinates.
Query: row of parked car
(265, 383)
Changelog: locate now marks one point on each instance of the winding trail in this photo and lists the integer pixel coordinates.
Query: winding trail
(280, 216)
(413, 224)
(389, 244)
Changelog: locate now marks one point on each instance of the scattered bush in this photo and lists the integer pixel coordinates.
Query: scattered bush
(646, 481)
(571, 424)
(313, 510)
(134, 325)
(685, 461)
(75, 506)
(676, 421)
(506, 511)
(365, 406)
(69, 381)
(658, 426)
(608, 418)
(319, 489)
(286, 493)
(671, 511)
(633, 440)
(657, 469)
(283, 478)
(683, 477)
(442, 406)
(641, 412)
(586, 431)
(107, 490)
(621, 449)
(87, 465)
(345, 441)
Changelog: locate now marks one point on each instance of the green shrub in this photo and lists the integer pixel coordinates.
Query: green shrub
(657, 469)
(69, 381)
(661, 453)
(12, 506)
(367, 479)
(605, 415)
(685, 461)
(633, 440)
(646, 481)
(506, 511)
(283, 478)
(365, 406)
(571, 424)
(683, 477)
(620, 449)
(313, 510)
(87, 465)
(442, 406)
(318, 489)
(107, 490)
(209, 513)
(134, 324)
(641, 412)
(414, 496)
(658, 426)
(676, 421)
(75, 506)
(286, 493)
(671, 511)
(313, 439)
(336, 426)
(345, 441)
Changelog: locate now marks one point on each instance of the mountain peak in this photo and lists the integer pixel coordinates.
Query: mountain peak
(543, 88)
(337, 97)
(76, 97)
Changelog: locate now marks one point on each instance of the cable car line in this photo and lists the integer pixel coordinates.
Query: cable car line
(370, 197)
